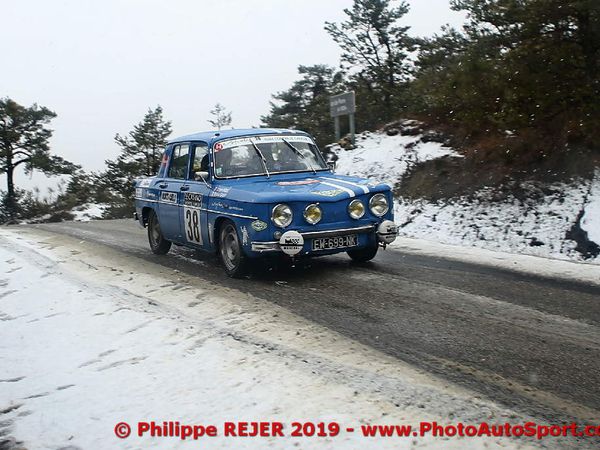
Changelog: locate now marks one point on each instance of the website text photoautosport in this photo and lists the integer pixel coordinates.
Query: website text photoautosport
(191, 431)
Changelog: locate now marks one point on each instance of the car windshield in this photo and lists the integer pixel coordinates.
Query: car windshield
(244, 156)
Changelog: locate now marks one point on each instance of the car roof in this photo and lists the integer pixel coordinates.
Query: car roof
(211, 137)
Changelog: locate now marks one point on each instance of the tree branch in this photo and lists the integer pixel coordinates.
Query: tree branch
(21, 152)
(21, 161)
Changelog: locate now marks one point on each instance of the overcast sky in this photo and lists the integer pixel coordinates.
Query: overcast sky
(101, 64)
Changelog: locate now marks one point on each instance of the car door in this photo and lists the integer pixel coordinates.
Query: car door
(194, 200)
(171, 194)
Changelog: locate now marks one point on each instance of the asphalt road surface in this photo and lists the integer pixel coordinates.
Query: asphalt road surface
(530, 343)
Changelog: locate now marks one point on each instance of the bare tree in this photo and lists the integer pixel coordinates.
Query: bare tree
(222, 118)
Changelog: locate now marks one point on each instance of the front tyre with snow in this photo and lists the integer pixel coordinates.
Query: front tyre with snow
(364, 254)
(158, 244)
(232, 256)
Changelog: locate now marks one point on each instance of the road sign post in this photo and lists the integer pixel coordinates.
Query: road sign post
(342, 105)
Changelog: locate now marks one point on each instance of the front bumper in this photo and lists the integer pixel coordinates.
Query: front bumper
(273, 246)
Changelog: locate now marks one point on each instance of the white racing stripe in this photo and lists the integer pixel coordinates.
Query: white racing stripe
(351, 183)
(350, 192)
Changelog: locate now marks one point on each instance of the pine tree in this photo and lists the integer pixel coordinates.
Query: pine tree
(527, 67)
(375, 52)
(222, 117)
(143, 146)
(141, 153)
(81, 188)
(305, 106)
(24, 140)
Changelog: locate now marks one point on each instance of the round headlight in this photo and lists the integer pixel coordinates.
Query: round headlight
(356, 209)
(313, 214)
(379, 205)
(282, 215)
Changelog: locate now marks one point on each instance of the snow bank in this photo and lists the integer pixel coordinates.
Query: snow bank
(537, 225)
(526, 226)
(591, 219)
(525, 264)
(81, 213)
(89, 211)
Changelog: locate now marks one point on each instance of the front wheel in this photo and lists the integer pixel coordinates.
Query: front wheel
(364, 254)
(232, 256)
(158, 244)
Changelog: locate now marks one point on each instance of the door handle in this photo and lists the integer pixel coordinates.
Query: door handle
(184, 188)
(163, 185)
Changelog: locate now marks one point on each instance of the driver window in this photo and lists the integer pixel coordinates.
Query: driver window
(238, 160)
(179, 161)
(200, 163)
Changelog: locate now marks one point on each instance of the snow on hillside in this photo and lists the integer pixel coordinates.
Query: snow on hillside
(386, 158)
(538, 225)
(518, 226)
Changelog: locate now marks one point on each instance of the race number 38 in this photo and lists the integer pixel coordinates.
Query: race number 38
(192, 225)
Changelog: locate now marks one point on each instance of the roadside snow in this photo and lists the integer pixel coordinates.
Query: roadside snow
(90, 338)
(537, 225)
(89, 211)
(532, 226)
(591, 219)
(526, 264)
(81, 213)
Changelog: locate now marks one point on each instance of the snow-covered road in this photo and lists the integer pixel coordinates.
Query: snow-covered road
(90, 338)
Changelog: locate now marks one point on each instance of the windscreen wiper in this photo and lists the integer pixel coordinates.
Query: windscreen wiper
(262, 158)
(299, 153)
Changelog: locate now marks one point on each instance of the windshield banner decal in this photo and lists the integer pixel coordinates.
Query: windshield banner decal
(261, 140)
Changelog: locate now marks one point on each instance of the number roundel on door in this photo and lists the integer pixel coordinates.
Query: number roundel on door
(193, 233)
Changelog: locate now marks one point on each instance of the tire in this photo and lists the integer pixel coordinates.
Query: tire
(232, 256)
(158, 244)
(364, 254)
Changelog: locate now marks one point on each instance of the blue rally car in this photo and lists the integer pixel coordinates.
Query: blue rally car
(249, 193)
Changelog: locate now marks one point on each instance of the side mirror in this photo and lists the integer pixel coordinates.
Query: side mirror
(331, 165)
(201, 176)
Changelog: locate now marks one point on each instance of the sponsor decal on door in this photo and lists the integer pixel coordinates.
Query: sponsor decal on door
(193, 200)
(168, 197)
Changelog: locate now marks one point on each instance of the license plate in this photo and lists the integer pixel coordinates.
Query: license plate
(335, 242)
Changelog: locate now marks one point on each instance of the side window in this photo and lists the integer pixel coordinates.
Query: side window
(179, 161)
(200, 163)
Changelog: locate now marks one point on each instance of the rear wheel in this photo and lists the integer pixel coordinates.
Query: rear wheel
(364, 254)
(232, 256)
(158, 244)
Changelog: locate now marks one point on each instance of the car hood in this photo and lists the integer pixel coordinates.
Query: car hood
(309, 187)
